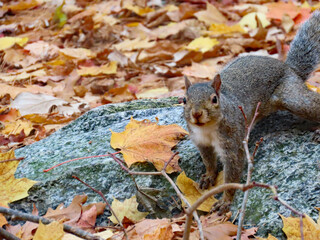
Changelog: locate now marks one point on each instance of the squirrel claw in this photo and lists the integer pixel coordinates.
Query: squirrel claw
(207, 181)
(221, 207)
(316, 136)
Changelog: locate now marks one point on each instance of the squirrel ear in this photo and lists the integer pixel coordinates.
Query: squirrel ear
(187, 82)
(216, 84)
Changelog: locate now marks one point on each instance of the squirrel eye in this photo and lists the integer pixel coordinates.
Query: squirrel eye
(184, 100)
(214, 100)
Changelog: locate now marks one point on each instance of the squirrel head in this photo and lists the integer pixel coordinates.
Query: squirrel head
(202, 102)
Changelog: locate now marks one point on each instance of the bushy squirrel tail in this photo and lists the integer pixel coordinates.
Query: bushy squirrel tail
(304, 53)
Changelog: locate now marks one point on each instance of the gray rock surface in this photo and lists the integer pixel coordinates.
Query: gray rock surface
(287, 158)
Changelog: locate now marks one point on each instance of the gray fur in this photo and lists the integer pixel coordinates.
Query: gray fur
(245, 82)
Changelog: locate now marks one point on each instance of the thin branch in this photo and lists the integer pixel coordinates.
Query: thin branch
(11, 160)
(204, 197)
(36, 219)
(163, 173)
(7, 235)
(133, 172)
(250, 160)
(76, 159)
(106, 201)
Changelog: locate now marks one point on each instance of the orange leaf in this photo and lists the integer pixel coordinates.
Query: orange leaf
(146, 141)
(278, 9)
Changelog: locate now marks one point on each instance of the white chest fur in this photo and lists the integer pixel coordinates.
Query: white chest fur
(207, 136)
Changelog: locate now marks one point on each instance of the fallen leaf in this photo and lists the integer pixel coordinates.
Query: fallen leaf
(110, 68)
(8, 42)
(291, 227)
(78, 53)
(278, 9)
(51, 231)
(138, 145)
(191, 192)
(200, 71)
(128, 208)
(249, 20)
(202, 44)
(270, 237)
(12, 189)
(220, 29)
(153, 93)
(120, 94)
(30, 103)
(135, 44)
(211, 15)
(17, 126)
(138, 10)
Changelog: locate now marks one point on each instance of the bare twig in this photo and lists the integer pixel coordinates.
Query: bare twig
(6, 235)
(132, 172)
(36, 219)
(250, 160)
(11, 160)
(106, 201)
(163, 173)
(80, 158)
(204, 197)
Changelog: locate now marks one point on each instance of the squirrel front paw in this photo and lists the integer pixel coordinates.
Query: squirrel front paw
(207, 180)
(221, 207)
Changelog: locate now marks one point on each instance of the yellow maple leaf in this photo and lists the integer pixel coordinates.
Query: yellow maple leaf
(105, 235)
(17, 126)
(291, 227)
(138, 10)
(249, 20)
(12, 189)
(192, 192)
(146, 141)
(8, 42)
(128, 208)
(270, 237)
(110, 68)
(220, 29)
(52, 231)
(202, 44)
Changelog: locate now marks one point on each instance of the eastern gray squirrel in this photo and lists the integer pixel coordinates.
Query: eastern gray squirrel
(216, 124)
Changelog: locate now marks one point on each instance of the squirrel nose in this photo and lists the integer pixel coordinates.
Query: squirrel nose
(197, 115)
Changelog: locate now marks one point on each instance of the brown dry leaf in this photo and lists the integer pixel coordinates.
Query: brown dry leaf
(121, 94)
(152, 229)
(9, 116)
(51, 231)
(191, 191)
(220, 231)
(78, 53)
(200, 71)
(13, 76)
(128, 208)
(76, 214)
(3, 220)
(278, 9)
(211, 15)
(42, 50)
(291, 227)
(22, 5)
(12, 189)
(110, 68)
(14, 91)
(146, 141)
(135, 44)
